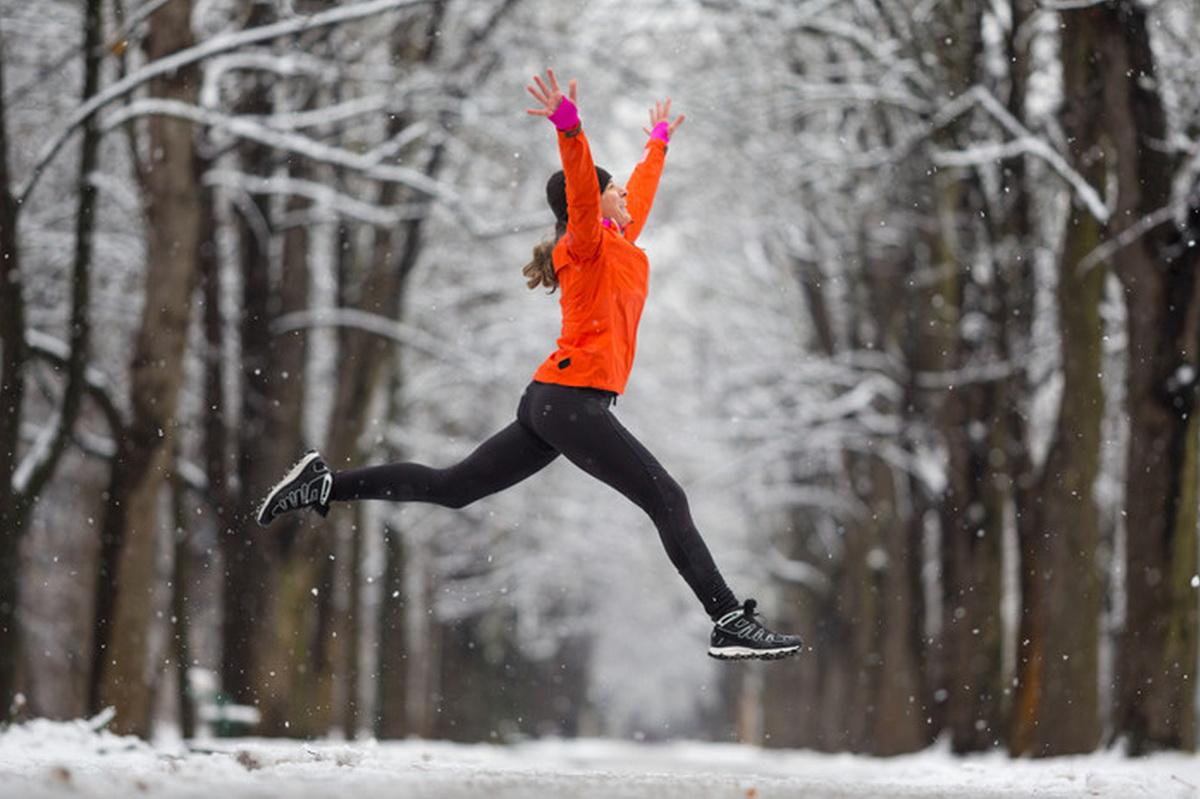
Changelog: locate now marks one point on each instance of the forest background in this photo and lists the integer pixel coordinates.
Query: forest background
(921, 346)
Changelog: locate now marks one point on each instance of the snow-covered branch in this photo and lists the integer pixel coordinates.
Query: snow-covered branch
(1068, 5)
(322, 195)
(375, 324)
(1185, 190)
(981, 154)
(861, 93)
(1129, 235)
(987, 372)
(324, 116)
(206, 49)
(57, 353)
(886, 52)
(38, 454)
(291, 64)
(1030, 144)
(367, 164)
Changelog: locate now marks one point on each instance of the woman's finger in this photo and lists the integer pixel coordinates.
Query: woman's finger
(573, 90)
(536, 95)
(538, 80)
(678, 121)
(553, 81)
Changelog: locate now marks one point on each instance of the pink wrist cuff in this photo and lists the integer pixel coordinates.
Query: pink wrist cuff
(661, 132)
(566, 116)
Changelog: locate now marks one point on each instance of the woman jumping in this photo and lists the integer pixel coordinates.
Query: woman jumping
(567, 408)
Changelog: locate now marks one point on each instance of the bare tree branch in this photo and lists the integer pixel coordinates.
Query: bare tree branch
(1129, 235)
(1068, 5)
(56, 353)
(199, 52)
(1031, 144)
(321, 194)
(292, 64)
(366, 164)
(375, 324)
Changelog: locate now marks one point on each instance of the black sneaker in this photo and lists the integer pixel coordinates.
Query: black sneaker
(738, 635)
(307, 484)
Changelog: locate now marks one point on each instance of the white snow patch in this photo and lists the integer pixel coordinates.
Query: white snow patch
(69, 759)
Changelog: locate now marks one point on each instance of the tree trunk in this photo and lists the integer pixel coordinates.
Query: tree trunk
(900, 699)
(180, 610)
(282, 430)
(795, 691)
(895, 713)
(971, 506)
(1157, 651)
(392, 705)
(133, 520)
(1057, 710)
(12, 394)
(972, 536)
(971, 509)
(1012, 230)
(260, 459)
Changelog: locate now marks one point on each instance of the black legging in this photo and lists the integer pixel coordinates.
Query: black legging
(576, 422)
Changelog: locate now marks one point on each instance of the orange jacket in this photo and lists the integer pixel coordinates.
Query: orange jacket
(602, 275)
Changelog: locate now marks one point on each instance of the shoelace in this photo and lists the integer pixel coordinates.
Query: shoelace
(748, 610)
(749, 613)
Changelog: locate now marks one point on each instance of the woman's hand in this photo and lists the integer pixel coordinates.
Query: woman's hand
(660, 115)
(552, 97)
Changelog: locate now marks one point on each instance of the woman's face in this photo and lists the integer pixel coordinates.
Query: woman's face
(612, 204)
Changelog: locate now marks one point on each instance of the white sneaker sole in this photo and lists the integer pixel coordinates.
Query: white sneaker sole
(746, 653)
(292, 474)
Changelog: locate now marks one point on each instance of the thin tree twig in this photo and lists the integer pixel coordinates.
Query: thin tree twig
(1129, 235)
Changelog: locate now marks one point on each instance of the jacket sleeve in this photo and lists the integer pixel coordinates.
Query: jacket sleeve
(643, 183)
(584, 233)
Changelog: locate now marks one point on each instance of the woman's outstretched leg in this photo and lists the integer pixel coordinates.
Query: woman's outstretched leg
(579, 424)
(503, 460)
(506, 458)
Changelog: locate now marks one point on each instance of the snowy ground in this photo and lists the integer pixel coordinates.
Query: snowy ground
(68, 759)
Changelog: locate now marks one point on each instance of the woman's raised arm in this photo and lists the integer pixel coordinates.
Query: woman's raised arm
(643, 183)
(583, 193)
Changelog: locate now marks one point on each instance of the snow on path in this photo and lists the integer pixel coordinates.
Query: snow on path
(68, 759)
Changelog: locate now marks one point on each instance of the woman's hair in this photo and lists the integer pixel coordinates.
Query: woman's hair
(540, 270)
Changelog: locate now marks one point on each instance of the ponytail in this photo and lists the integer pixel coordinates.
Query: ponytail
(540, 270)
